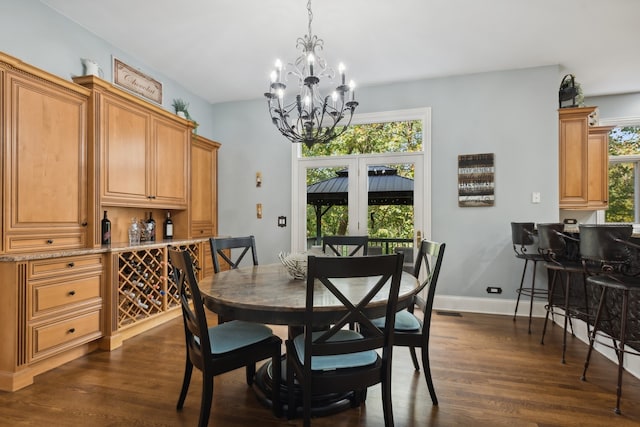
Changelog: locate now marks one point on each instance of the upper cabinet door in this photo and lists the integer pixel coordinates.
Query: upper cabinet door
(170, 164)
(45, 164)
(125, 152)
(204, 187)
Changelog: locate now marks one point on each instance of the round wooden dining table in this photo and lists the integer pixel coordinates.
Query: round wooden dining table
(268, 294)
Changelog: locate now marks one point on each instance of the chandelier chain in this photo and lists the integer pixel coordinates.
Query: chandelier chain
(310, 16)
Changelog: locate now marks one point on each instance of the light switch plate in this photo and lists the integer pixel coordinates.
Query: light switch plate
(535, 197)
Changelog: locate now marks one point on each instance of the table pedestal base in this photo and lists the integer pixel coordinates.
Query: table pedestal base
(320, 405)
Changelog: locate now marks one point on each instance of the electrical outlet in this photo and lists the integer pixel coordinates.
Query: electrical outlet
(494, 290)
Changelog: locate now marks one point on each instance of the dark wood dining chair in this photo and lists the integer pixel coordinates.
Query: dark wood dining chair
(218, 349)
(232, 251)
(226, 248)
(335, 359)
(345, 245)
(412, 328)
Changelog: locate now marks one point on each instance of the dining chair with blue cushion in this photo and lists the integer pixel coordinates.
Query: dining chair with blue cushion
(338, 360)
(345, 245)
(218, 349)
(411, 327)
(222, 247)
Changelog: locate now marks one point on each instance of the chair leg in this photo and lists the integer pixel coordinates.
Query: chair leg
(594, 330)
(414, 358)
(549, 303)
(291, 409)
(276, 372)
(566, 318)
(250, 373)
(620, 349)
(426, 368)
(387, 406)
(524, 271)
(533, 291)
(205, 402)
(188, 369)
(306, 404)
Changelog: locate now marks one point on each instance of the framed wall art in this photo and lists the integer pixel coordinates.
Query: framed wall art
(476, 183)
(133, 80)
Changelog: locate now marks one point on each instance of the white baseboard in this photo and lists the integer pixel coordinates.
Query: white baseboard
(506, 307)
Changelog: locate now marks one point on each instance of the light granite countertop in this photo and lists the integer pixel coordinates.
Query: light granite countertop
(114, 247)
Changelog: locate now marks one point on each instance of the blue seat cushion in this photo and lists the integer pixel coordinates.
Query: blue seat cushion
(236, 334)
(405, 322)
(339, 361)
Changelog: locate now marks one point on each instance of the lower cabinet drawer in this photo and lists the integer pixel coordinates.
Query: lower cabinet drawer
(66, 265)
(72, 292)
(198, 232)
(31, 243)
(63, 334)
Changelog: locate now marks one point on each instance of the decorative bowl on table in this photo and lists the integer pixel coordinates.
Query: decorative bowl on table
(295, 263)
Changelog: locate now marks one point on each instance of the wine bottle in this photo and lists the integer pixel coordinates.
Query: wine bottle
(151, 227)
(167, 229)
(106, 230)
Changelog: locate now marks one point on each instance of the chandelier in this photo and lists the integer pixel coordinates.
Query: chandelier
(309, 116)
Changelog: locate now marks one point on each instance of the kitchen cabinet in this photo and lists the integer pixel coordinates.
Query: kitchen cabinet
(142, 152)
(204, 187)
(53, 314)
(45, 160)
(583, 161)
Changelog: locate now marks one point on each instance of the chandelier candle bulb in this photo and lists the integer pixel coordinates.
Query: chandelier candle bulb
(341, 71)
(279, 70)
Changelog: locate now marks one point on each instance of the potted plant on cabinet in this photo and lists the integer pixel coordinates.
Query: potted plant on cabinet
(182, 110)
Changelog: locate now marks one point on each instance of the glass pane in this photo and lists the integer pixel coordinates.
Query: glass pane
(390, 208)
(621, 193)
(623, 141)
(327, 203)
(390, 137)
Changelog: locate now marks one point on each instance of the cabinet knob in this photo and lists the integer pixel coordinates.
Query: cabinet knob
(84, 224)
(71, 264)
(72, 330)
(49, 241)
(72, 293)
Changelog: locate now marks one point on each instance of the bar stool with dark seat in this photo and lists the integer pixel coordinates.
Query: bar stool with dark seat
(522, 237)
(552, 244)
(608, 246)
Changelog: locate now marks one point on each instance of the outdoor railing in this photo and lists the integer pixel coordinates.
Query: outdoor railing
(377, 245)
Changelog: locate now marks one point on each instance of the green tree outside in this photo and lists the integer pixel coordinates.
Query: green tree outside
(622, 141)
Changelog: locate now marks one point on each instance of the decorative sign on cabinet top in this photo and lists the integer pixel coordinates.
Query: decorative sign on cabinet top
(137, 82)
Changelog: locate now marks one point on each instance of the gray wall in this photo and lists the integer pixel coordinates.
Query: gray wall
(616, 106)
(512, 114)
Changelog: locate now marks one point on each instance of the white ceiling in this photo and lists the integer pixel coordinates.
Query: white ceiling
(224, 50)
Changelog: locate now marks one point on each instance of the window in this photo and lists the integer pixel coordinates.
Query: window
(624, 175)
(333, 183)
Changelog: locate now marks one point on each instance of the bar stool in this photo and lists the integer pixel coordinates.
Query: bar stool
(552, 244)
(608, 247)
(522, 237)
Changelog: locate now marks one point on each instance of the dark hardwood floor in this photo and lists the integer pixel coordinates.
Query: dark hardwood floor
(487, 371)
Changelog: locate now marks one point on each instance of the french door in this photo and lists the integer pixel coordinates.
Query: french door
(380, 195)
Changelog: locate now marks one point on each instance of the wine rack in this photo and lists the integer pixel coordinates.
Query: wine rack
(145, 283)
